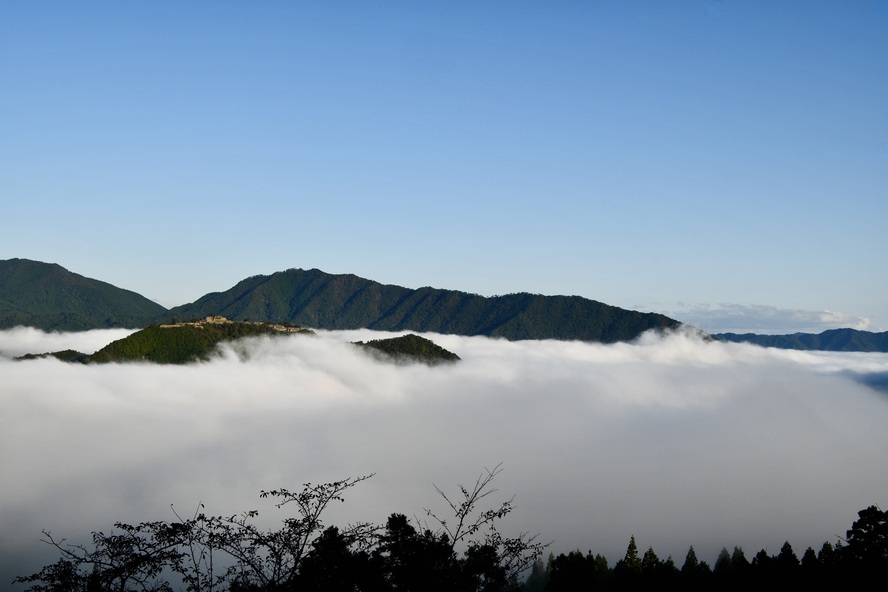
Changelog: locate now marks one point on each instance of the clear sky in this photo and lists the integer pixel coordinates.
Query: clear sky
(725, 162)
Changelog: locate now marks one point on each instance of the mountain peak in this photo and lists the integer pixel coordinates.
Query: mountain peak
(48, 296)
(317, 299)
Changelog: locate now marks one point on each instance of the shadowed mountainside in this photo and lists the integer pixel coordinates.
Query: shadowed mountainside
(50, 297)
(316, 299)
(847, 340)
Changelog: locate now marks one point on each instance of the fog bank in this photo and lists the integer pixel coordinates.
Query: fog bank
(672, 439)
(28, 340)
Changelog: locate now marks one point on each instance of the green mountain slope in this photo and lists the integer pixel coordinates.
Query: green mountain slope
(317, 299)
(49, 297)
(833, 340)
(172, 344)
(196, 340)
(176, 345)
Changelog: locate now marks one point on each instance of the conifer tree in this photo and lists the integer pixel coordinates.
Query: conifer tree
(650, 563)
(691, 564)
(631, 559)
(723, 564)
(739, 560)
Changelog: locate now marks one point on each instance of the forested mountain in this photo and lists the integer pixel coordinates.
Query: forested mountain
(197, 340)
(832, 340)
(316, 299)
(169, 344)
(177, 344)
(50, 297)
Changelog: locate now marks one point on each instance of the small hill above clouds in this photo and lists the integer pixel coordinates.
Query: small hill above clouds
(178, 343)
(49, 297)
(182, 343)
(316, 299)
(410, 349)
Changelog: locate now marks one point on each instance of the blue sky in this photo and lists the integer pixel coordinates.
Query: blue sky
(725, 162)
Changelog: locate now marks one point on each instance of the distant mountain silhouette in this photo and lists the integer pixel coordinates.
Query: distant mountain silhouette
(833, 340)
(50, 297)
(316, 299)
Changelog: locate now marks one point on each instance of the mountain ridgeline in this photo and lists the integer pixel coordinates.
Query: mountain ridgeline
(49, 297)
(316, 299)
(832, 340)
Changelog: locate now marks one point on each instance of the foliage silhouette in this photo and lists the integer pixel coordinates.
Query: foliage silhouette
(462, 552)
(217, 553)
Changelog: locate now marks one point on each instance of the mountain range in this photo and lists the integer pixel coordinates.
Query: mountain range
(49, 297)
(832, 340)
(316, 299)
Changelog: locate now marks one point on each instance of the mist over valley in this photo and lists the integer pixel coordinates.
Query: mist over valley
(628, 256)
(675, 439)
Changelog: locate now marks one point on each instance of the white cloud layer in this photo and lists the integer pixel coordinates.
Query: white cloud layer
(741, 318)
(27, 340)
(672, 439)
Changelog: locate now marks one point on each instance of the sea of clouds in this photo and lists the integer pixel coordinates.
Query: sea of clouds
(743, 318)
(674, 439)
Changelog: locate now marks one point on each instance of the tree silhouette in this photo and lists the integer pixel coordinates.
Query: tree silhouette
(462, 553)
(467, 555)
(650, 563)
(515, 554)
(335, 565)
(573, 571)
(868, 537)
(690, 565)
(538, 578)
(417, 561)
